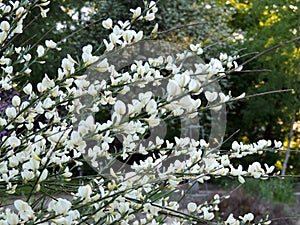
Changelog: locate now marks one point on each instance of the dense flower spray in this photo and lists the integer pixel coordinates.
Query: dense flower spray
(47, 130)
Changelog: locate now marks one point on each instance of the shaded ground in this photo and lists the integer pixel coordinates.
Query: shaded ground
(241, 202)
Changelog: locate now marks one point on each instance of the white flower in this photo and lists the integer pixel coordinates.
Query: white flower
(107, 24)
(50, 44)
(59, 206)
(5, 61)
(241, 179)
(223, 97)
(32, 164)
(206, 214)
(247, 217)
(19, 28)
(200, 51)
(3, 122)
(278, 144)
(151, 106)
(153, 121)
(4, 26)
(241, 96)
(149, 16)
(87, 49)
(173, 88)
(40, 51)
(211, 96)
(269, 169)
(8, 69)
(15, 4)
(263, 143)
(238, 172)
(120, 107)
(237, 67)
(231, 220)
(196, 48)
(68, 65)
(109, 46)
(27, 175)
(48, 103)
(7, 9)
(28, 89)
(16, 101)
(3, 36)
(155, 29)
(128, 35)
(87, 125)
(138, 36)
(20, 11)
(182, 79)
(44, 3)
(67, 173)
(44, 175)
(194, 85)
(192, 207)
(28, 71)
(136, 12)
(115, 39)
(123, 207)
(89, 59)
(124, 24)
(103, 65)
(223, 56)
(11, 219)
(117, 30)
(13, 141)
(225, 160)
(85, 192)
(256, 170)
(235, 146)
(229, 64)
(44, 12)
(25, 211)
(152, 6)
(11, 112)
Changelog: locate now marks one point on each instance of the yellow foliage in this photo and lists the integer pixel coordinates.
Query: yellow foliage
(269, 42)
(243, 6)
(278, 165)
(294, 144)
(245, 139)
(272, 18)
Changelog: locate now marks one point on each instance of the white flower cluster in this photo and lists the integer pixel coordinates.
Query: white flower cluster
(206, 212)
(42, 143)
(16, 10)
(122, 34)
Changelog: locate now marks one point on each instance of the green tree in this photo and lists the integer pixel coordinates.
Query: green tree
(267, 23)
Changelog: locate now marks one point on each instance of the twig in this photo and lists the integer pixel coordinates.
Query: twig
(77, 31)
(271, 49)
(253, 71)
(267, 93)
(233, 134)
(287, 154)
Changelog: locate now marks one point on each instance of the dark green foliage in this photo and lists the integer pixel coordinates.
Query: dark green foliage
(276, 190)
(266, 24)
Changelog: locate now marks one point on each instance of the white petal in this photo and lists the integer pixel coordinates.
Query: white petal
(211, 96)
